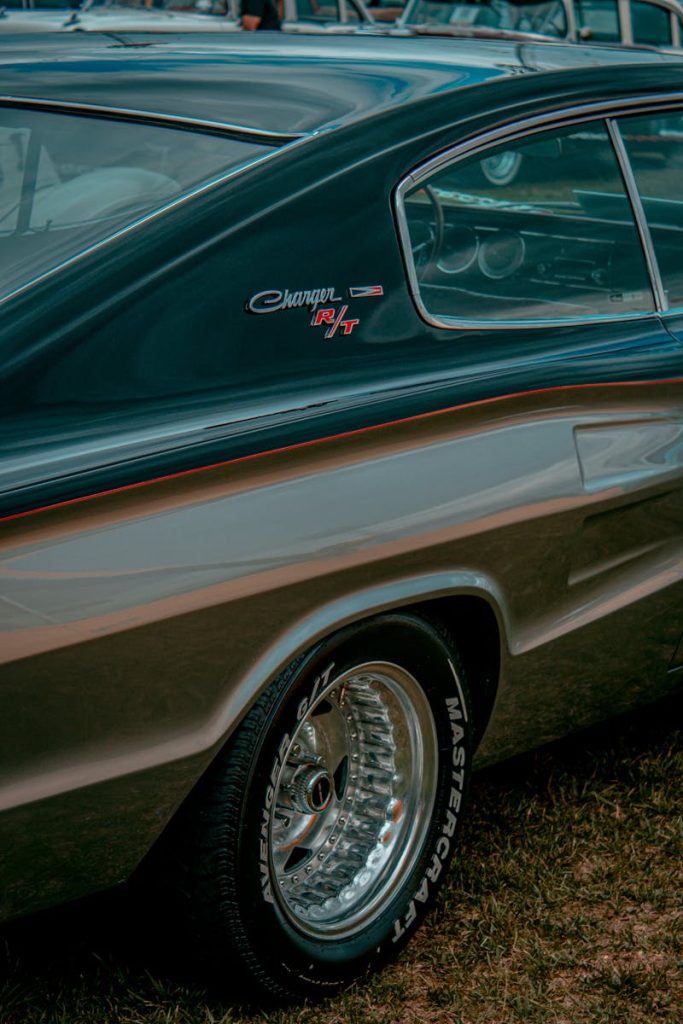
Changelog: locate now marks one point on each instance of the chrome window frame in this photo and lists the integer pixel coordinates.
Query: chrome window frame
(672, 9)
(403, 22)
(642, 226)
(291, 14)
(667, 307)
(607, 111)
(241, 133)
(363, 14)
(623, 26)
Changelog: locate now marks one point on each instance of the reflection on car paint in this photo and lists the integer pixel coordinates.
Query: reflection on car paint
(193, 497)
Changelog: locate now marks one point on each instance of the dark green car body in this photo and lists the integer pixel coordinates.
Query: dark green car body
(193, 492)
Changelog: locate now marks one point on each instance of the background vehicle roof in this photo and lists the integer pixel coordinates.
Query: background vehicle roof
(274, 82)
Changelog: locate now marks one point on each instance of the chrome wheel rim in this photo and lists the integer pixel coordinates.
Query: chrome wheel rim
(353, 800)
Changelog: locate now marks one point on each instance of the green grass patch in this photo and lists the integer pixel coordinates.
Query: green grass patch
(564, 906)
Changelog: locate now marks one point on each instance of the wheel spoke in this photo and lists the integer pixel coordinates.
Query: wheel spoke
(340, 776)
(353, 799)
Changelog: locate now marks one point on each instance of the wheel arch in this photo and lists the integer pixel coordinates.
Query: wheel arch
(472, 622)
(469, 606)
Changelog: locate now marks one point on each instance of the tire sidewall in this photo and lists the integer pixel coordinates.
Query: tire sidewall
(299, 963)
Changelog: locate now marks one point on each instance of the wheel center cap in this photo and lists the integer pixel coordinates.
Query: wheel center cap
(312, 790)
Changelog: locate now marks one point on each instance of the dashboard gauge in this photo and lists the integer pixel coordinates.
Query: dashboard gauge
(458, 252)
(500, 255)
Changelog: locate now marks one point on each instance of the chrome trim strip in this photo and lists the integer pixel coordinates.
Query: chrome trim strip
(572, 22)
(642, 225)
(675, 7)
(624, 14)
(558, 118)
(152, 117)
(270, 154)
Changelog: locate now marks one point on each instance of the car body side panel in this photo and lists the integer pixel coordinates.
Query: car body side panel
(222, 576)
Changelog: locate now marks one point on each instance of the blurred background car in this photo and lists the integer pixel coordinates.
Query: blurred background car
(341, 16)
(640, 22)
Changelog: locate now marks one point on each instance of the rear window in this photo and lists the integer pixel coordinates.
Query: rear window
(67, 182)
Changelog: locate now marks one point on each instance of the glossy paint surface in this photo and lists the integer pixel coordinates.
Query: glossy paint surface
(300, 83)
(193, 493)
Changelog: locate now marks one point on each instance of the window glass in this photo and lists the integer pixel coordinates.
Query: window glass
(317, 10)
(545, 17)
(655, 148)
(538, 229)
(600, 19)
(650, 24)
(67, 182)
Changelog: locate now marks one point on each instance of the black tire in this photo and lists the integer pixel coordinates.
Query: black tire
(239, 922)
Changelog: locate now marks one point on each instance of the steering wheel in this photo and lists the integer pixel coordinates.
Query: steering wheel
(426, 235)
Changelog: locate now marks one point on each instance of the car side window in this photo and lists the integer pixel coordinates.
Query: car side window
(655, 148)
(67, 181)
(536, 229)
(546, 18)
(599, 19)
(650, 24)
(317, 10)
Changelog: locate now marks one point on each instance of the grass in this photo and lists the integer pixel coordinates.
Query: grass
(565, 907)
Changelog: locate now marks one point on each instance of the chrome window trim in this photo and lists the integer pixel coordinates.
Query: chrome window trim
(672, 7)
(364, 17)
(572, 21)
(675, 7)
(642, 225)
(153, 118)
(559, 118)
(403, 21)
(626, 29)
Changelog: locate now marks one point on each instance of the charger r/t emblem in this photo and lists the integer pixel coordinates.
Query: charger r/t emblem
(334, 319)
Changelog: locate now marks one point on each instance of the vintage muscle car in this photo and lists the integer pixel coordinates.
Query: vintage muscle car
(327, 465)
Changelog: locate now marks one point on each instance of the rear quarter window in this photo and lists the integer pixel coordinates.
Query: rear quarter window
(67, 182)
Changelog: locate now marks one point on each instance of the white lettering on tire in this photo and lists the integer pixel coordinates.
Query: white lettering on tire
(319, 683)
(457, 712)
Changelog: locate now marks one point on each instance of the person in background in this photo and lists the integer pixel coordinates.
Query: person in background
(260, 14)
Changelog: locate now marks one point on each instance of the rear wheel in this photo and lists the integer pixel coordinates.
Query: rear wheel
(323, 831)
